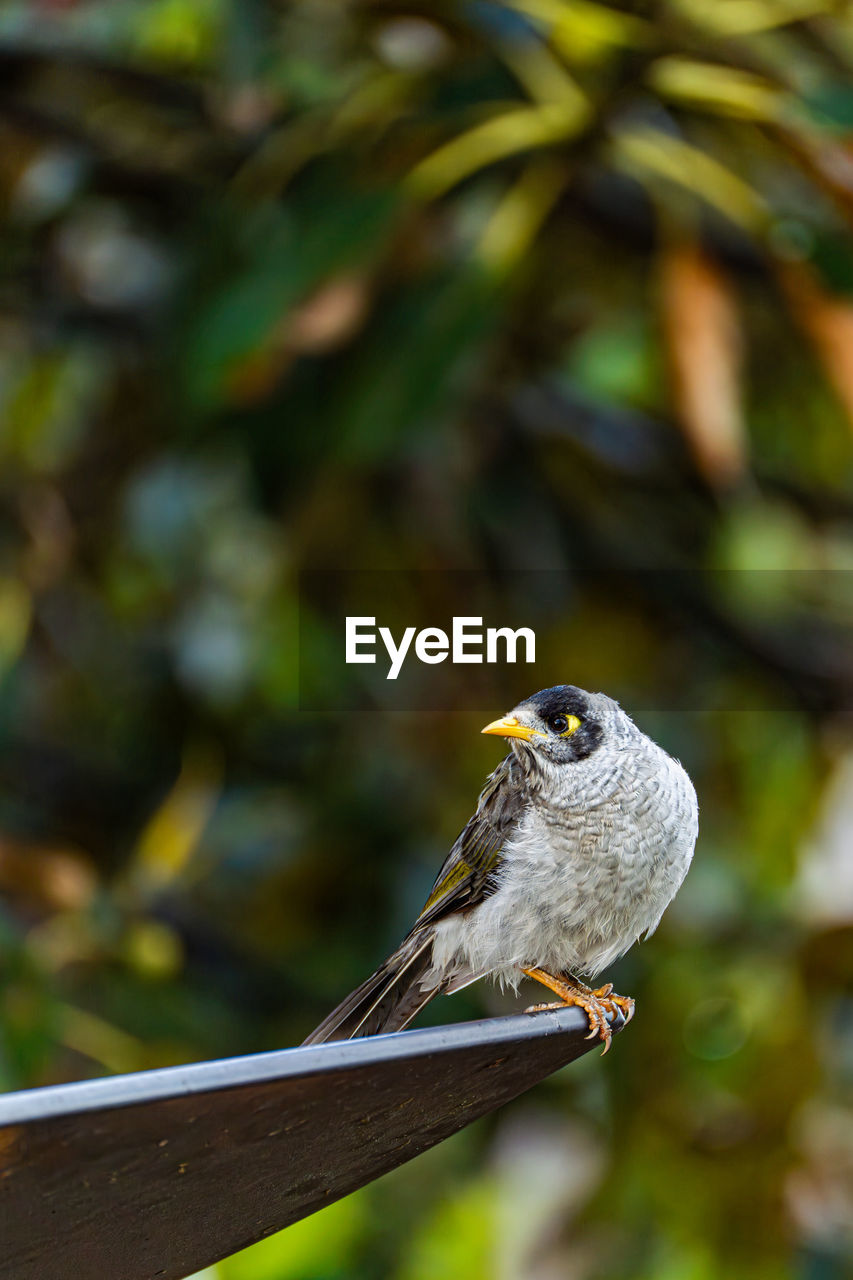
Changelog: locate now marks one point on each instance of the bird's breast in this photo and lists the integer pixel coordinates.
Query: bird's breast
(577, 886)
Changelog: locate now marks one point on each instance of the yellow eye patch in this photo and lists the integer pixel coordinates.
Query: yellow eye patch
(573, 724)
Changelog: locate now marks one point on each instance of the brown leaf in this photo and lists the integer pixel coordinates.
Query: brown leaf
(329, 317)
(324, 321)
(51, 877)
(828, 321)
(702, 337)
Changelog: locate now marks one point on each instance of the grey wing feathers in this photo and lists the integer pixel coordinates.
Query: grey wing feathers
(390, 997)
(464, 879)
(398, 990)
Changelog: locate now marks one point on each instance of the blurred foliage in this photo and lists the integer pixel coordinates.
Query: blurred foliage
(495, 287)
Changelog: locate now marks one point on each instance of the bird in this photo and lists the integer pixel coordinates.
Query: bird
(581, 838)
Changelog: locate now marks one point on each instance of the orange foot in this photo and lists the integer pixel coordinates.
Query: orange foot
(599, 1004)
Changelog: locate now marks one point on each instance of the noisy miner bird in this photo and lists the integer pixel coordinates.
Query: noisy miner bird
(581, 838)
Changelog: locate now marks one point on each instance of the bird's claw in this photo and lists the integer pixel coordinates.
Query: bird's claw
(624, 1004)
(599, 1005)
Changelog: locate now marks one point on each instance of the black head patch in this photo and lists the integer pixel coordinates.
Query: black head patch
(568, 700)
(561, 700)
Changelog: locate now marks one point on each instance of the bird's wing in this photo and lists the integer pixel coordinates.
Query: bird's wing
(468, 871)
(398, 990)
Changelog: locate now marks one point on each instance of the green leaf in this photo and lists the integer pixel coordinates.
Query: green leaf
(423, 348)
(293, 255)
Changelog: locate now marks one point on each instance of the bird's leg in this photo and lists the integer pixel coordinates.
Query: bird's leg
(599, 1004)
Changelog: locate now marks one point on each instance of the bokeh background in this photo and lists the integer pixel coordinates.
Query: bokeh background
(546, 304)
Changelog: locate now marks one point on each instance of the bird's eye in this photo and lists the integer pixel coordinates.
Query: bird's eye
(564, 726)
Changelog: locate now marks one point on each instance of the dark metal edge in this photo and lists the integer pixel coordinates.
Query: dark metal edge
(141, 1087)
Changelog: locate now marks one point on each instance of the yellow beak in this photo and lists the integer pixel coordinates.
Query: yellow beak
(509, 727)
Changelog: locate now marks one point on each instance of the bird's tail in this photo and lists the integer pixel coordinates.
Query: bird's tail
(390, 998)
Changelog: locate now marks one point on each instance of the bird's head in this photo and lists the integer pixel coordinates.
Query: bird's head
(562, 725)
